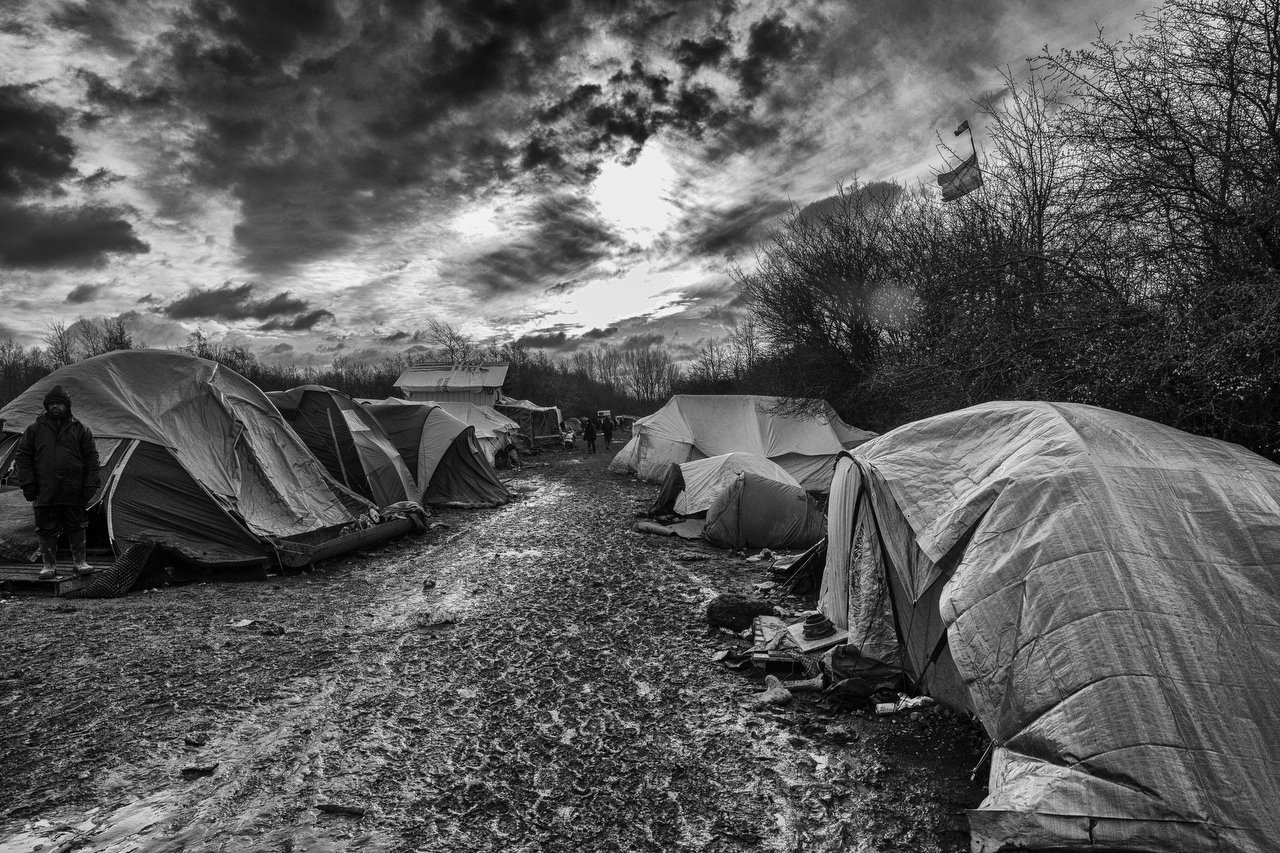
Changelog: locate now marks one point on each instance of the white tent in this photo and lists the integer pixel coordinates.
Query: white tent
(697, 426)
(704, 479)
(1102, 592)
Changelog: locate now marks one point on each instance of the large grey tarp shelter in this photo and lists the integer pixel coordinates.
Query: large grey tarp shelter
(348, 441)
(194, 457)
(441, 452)
(1102, 592)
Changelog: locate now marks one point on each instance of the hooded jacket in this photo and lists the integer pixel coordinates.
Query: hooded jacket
(60, 460)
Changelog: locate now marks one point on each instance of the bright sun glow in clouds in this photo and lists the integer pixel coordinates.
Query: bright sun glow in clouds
(635, 199)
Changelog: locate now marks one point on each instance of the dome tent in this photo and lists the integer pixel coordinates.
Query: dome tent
(494, 431)
(801, 436)
(691, 487)
(448, 466)
(1102, 592)
(195, 458)
(348, 441)
(754, 511)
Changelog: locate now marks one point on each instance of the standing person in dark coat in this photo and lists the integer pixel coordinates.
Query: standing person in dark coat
(589, 433)
(606, 427)
(57, 465)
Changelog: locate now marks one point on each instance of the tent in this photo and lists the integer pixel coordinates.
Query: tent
(495, 432)
(348, 441)
(691, 487)
(755, 511)
(697, 426)
(540, 425)
(441, 452)
(194, 458)
(1102, 593)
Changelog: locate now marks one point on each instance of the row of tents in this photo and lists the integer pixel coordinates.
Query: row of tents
(197, 459)
(1102, 593)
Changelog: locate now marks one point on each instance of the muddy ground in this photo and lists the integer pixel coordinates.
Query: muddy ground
(531, 678)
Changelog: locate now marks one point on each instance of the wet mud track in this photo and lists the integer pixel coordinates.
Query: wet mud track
(536, 677)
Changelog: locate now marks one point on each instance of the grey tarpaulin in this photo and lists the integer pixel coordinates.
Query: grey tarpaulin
(1109, 590)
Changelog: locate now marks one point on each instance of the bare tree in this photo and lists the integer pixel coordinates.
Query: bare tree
(60, 343)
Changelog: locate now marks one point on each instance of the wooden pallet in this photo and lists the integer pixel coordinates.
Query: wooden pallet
(24, 579)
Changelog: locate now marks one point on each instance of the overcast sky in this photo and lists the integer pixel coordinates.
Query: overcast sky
(320, 177)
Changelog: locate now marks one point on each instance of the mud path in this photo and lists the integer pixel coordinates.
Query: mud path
(550, 688)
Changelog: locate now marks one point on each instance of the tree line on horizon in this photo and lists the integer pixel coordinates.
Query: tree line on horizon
(1123, 251)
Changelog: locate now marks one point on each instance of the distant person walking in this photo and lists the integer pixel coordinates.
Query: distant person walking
(606, 427)
(57, 465)
(589, 433)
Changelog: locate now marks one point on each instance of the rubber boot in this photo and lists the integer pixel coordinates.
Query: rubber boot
(49, 553)
(78, 563)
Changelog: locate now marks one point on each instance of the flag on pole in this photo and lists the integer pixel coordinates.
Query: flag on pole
(961, 180)
(964, 125)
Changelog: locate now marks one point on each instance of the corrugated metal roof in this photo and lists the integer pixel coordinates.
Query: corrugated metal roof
(444, 376)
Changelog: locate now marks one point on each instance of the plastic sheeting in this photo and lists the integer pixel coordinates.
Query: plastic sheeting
(348, 441)
(539, 424)
(698, 426)
(755, 511)
(220, 428)
(1110, 593)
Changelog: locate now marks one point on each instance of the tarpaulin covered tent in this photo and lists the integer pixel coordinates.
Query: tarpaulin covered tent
(195, 457)
(691, 487)
(1102, 592)
(348, 441)
(441, 452)
(754, 511)
(693, 426)
(540, 425)
(494, 431)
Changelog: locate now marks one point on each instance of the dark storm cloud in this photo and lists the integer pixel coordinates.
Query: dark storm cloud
(280, 349)
(395, 337)
(82, 293)
(638, 342)
(105, 94)
(96, 22)
(550, 340)
(236, 302)
(35, 155)
(711, 50)
(35, 237)
(771, 43)
(566, 239)
(301, 323)
(599, 334)
(727, 232)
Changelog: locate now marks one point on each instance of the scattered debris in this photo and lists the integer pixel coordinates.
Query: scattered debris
(774, 694)
(427, 584)
(904, 703)
(650, 527)
(195, 739)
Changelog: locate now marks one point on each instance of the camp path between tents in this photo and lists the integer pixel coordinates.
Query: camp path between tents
(550, 689)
